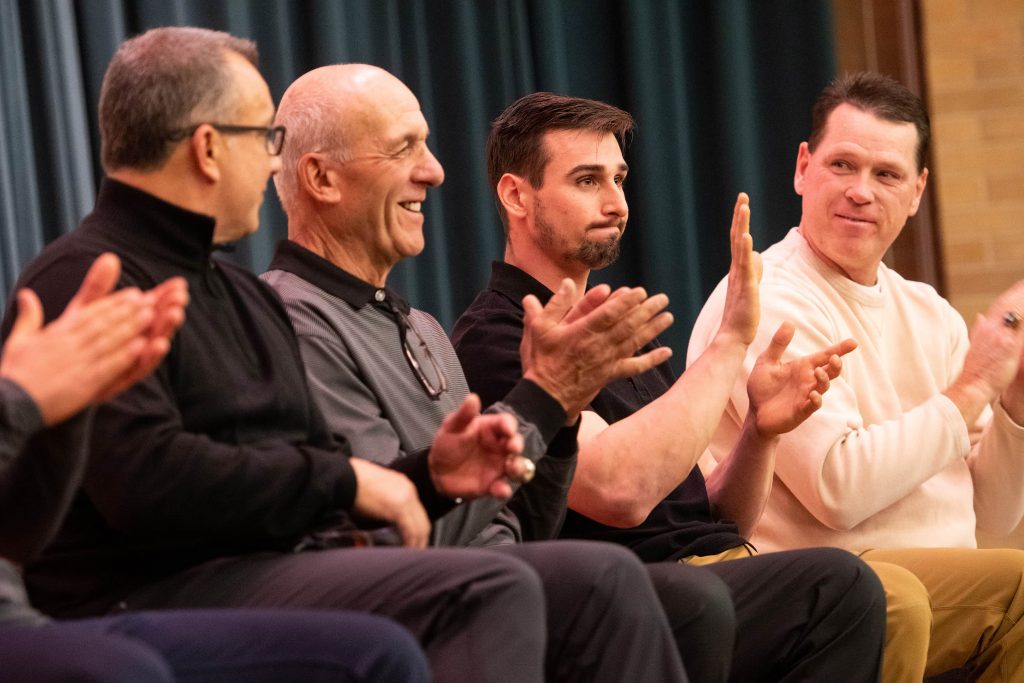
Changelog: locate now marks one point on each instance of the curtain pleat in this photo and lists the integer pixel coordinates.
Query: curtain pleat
(721, 91)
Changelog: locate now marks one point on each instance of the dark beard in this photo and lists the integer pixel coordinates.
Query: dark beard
(596, 255)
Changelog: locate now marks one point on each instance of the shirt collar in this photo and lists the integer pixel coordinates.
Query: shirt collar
(516, 283)
(143, 222)
(294, 258)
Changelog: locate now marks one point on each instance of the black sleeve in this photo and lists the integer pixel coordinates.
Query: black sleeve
(40, 470)
(486, 338)
(148, 473)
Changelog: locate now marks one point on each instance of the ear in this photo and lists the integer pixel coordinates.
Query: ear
(206, 152)
(513, 193)
(919, 185)
(803, 158)
(316, 178)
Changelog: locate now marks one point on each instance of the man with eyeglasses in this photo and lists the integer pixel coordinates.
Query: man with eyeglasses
(354, 177)
(212, 482)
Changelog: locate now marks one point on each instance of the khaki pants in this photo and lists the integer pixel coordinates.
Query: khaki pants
(952, 607)
(945, 608)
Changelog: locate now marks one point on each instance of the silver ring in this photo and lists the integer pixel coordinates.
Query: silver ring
(529, 470)
(1011, 319)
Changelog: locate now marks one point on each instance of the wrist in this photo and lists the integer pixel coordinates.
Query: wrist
(729, 345)
(552, 389)
(970, 397)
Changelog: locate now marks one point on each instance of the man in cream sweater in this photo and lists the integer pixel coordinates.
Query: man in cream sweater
(920, 437)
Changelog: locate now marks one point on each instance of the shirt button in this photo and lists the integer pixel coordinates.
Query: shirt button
(379, 295)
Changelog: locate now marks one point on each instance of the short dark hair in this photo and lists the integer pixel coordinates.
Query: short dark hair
(515, 141)
(881, 95)
(155, 84)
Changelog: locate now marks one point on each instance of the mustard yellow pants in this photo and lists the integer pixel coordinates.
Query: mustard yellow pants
(945, 608)
(952, 607)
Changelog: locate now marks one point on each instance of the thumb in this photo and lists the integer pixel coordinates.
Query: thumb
(780, 340)
(30, 314)
(562, 300)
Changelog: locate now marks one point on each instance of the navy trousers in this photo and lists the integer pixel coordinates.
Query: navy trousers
(214, 645)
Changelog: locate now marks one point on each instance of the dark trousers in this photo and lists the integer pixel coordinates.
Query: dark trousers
(480, 614)
(802, 615)
(213, 645)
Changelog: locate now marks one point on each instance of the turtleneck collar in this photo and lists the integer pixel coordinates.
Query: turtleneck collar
(144, 223)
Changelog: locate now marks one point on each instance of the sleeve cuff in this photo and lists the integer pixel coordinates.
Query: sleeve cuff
(538, 407)
(566, 443)
(417, 468)
(20, 412)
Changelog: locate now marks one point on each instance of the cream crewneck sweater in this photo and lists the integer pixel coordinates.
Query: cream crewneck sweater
(887, 462)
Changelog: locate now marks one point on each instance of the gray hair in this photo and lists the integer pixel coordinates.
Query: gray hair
(310, 115)
(161, 81)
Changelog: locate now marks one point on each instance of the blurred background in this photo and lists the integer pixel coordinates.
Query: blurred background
(721, 91)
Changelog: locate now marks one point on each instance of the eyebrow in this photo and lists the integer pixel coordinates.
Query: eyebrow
(595, 168)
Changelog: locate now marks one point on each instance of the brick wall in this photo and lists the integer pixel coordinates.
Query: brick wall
(974, 61)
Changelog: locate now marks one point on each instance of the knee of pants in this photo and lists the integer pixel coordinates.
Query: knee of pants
(692, 596)
(63, 652)
(908, 606)
(591, 569)
(839, 576)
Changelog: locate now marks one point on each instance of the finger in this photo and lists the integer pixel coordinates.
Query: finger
(498, 432)
(780, 342)
(635, 365)
(594, 297)
(834, 367)
(607, 315)
(30, 314)
(822, 379)
(646, 334)
(562, 300)
(458, 420)
(149, 358)
(636, 325)
(500, 489)
(825, 356)
(99, 281)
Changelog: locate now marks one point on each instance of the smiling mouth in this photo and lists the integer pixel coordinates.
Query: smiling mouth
(855, 219)
(415, 207)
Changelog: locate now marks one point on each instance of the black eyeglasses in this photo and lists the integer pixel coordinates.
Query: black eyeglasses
(274, 134)
(433, 390)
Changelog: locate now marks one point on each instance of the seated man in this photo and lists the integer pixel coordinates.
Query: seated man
(557, 167)
(208, 478)
(921, 437)
(386, 375)
(101, 344)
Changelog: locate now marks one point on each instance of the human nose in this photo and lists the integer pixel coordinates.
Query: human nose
(615, 201)
(429, 171)
(859, 191)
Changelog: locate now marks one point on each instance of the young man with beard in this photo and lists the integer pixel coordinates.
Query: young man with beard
(557, 167)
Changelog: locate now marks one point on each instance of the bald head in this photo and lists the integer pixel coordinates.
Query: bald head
(332, 110)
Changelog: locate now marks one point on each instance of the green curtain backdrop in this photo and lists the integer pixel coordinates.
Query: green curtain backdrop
(721, 91)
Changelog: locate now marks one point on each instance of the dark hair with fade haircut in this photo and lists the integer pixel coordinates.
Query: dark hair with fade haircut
(515, 141)
(155, 84)
(878, 94)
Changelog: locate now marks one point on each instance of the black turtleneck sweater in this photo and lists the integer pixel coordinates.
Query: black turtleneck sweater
(221, 451)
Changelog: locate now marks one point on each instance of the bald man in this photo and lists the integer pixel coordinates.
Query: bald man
(353, 181)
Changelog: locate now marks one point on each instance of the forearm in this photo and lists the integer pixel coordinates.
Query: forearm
(658, 445)
(997, 469)
(844, 472)
(739, 486)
